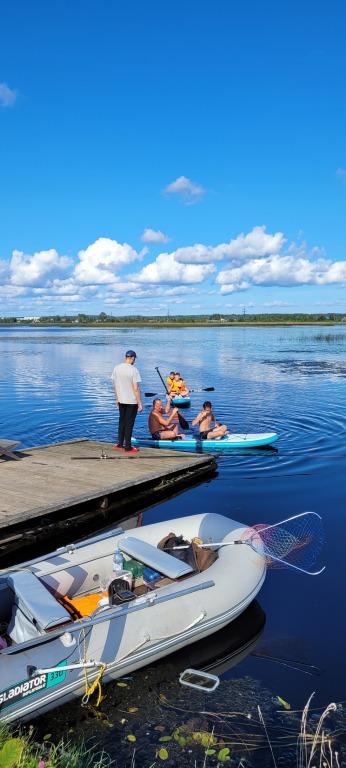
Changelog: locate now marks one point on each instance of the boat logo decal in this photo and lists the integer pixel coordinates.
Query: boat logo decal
(28, 687)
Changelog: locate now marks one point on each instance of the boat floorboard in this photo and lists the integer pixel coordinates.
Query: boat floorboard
(63, 475)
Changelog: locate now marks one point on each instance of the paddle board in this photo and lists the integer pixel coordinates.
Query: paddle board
(250, 440)
(181, 401)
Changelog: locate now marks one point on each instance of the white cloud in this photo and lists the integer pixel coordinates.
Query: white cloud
(188, 192)
(199, 254)
(278, 304)
(7, 95)
(255, 243)
(32, 269)
(11, 291)
(154, 236)
(101, 260)
(340, 173)
(281, 270)
(4, 269)
(165, 269)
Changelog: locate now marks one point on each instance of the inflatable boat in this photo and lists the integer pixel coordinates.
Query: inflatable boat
(67, 624)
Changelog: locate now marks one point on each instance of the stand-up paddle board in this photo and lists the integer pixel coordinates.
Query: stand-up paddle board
(250, 440)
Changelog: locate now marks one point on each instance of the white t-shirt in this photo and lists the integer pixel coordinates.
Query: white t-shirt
(124, 376)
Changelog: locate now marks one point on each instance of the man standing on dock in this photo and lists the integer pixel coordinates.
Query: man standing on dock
(126, 378)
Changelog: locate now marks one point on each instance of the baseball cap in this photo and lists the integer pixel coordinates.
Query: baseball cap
(130, 353)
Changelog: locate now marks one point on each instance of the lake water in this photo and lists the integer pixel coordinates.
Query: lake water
(55, 385)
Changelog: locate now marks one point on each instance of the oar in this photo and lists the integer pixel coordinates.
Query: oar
(205, 389)
(301, 534)
(163, 382)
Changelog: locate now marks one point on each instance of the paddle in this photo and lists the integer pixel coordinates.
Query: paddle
(300, 536)
(183, 423)
(205, 389)
(163, 382)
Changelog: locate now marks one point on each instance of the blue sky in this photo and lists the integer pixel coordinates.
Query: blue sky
(181, 157)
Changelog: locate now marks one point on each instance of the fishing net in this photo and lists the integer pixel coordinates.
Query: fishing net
(292, 543)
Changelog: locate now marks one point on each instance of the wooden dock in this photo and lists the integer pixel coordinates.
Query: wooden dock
(64, 480)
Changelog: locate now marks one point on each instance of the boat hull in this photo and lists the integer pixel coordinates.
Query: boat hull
(232, 441)
(48, 670)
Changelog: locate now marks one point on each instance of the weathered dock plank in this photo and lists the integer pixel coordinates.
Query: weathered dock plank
(63, 475)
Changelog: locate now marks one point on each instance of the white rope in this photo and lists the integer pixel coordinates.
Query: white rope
(161, 637)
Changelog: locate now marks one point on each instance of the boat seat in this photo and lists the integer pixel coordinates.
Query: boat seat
(35, 609)
(157, 559)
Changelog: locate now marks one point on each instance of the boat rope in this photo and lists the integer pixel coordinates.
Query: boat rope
(89, 689)
(189, 626)
(148, 637)
(96, 684)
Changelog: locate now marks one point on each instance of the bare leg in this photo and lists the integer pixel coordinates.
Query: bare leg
(217, 432)
(169, 434)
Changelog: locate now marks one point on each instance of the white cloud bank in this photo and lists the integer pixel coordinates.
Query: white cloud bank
(267, 266)
(104, 271)
(30, 270)
(165, 269)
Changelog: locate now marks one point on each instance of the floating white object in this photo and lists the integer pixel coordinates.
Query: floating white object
(203, 681)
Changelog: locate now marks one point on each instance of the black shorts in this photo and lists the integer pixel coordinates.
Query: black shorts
(203, 435)
(158, 435)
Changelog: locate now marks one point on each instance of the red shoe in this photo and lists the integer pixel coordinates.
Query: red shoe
(118, 447)
(132, 450)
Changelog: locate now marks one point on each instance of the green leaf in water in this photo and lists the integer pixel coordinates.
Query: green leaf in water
(223, 754)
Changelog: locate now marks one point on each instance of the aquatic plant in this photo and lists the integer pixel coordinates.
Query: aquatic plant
(18, 750)
(328, 337)
(243, 740)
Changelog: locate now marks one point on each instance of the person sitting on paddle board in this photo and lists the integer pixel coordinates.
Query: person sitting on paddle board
(159, 421)
(204, 420)
(178, 386)
(170, 380)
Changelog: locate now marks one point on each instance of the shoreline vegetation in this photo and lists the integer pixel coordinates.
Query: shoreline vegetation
(173, 321)
(308, 738)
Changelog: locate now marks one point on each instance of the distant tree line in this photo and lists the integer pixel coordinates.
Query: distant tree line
(217, 318)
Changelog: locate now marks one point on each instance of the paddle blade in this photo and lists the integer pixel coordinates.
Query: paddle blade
(150, 394)
(183, 423)
(205, 389)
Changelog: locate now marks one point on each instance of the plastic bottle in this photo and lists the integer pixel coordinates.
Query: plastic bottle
(118, 561)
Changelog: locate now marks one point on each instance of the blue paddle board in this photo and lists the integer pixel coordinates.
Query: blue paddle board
(181, 401)
(250, 440)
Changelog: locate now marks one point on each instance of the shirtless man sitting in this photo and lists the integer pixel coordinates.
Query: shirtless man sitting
(159, 422)
(204, 420)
